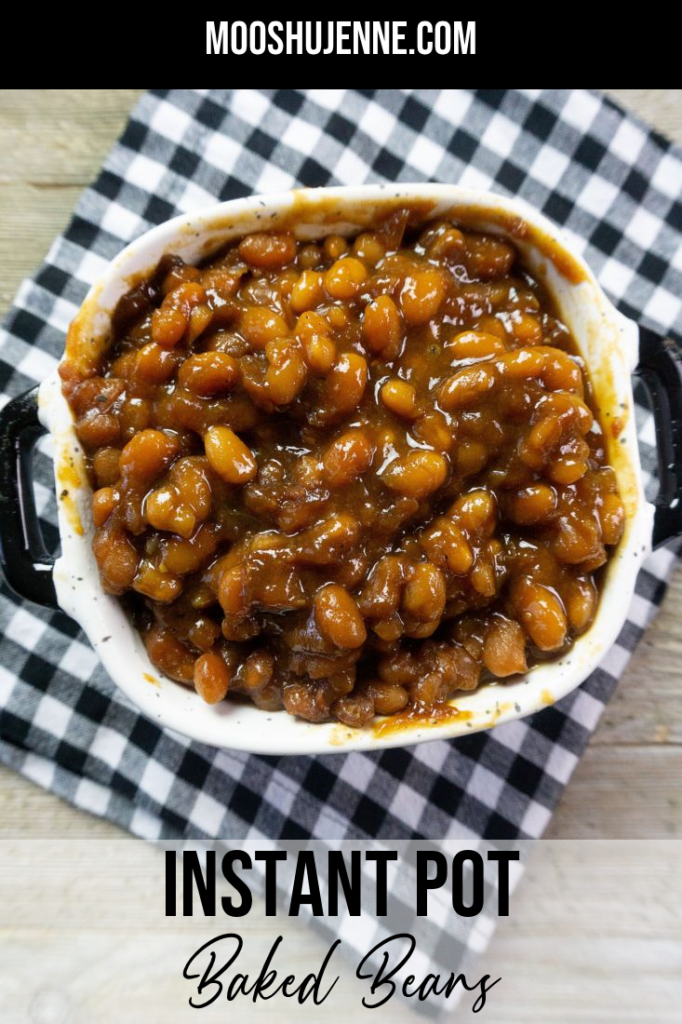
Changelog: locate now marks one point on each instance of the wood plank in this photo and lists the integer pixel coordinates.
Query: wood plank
(30, 218)
(647, 706)
(622, 792)
(58, 137)
(53, 142)
(660, 107)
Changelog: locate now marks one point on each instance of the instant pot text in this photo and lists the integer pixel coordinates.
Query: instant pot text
(341, 878)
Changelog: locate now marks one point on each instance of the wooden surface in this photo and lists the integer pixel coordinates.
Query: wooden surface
(629, 782)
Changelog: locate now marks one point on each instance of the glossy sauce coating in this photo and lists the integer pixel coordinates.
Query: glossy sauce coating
(348, 478)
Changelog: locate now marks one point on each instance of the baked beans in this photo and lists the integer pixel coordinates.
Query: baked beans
(348, 476)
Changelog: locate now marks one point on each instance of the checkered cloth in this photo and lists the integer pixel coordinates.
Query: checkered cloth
(612, 184)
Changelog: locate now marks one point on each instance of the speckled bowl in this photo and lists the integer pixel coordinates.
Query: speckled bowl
(607, 340)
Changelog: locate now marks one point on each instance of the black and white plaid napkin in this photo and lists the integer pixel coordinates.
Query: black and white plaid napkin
(610, 182)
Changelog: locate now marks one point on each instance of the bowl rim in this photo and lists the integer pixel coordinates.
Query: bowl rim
(247, 728)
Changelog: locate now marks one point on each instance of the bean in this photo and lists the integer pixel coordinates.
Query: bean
(104, 502)
(577, 539)
(389, 630)
(203, 633)
(527, 329)
(308, 292)
(380, 596)
(417, 474)
(135, 416)
(268, 251)
(466, 387)
(400, 397)
(447, 547)
(229, 456)
(522, 363)
(147, 454)
(355, 711)
(566, 470)
(164, 511)
(346, 383)
(368, 248)
(182, 556)
(382, 327)
(585, 416)
(533, 504)
(124, 366)
(338, 318)
(320, 353)
(105, 463)
(97, 429)
(545, 434)
(489, 323)
(232, 592)
(434, 429)
(561, 372)
(117, 559)
(212, 677)
(306, 701)
(449, 243)
(471, 457)
(474, 345)
(260, 325)
(475, 512)
(338, 617)
(327, 541)
(155, 584)
(424, 596)
(257, 670)
(389, 698)
(199, 319)
(488, 258)
(399, 667)
(169, 654)
(310, 324)
(347, 458)
(422, 295)
(579, 595)
(504, 648)
(309, 256)
(171, 320)
(209, 373)
(483, 578)
(168, 326)
(190, 479)
(286, 374)
(178, 275)
(334, 246)
(155, 364)
(612, 518)
(541, 612)
(345, 278)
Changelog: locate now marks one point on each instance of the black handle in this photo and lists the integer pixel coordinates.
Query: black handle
(660, 368)
(25, 562)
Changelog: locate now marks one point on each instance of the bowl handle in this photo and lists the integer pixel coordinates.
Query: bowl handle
(24, 560)
(660, 368)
